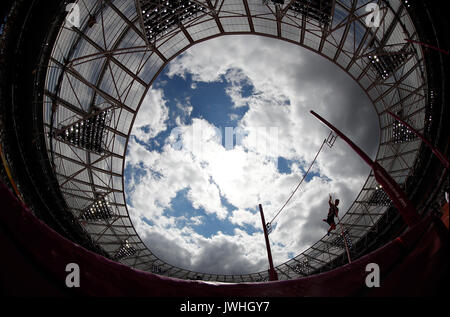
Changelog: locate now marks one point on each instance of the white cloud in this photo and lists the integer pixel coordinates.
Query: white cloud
(197, 220)
(287, 82)
(153, 115)
(242, 217)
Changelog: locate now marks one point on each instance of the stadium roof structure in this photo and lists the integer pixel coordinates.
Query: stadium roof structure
(93, 77)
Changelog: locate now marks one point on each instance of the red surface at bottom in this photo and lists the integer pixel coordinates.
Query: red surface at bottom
(36, 257)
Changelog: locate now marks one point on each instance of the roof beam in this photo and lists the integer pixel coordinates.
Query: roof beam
(215, 16)
(249, 17)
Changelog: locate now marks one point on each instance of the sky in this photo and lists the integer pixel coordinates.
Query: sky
(226, 126)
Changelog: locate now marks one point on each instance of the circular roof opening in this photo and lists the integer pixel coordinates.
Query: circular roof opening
(226, 126)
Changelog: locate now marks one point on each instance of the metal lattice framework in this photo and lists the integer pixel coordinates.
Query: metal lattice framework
(109, 62)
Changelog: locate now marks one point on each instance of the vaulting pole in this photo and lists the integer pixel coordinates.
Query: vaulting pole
(273, 276)
(436, 152)
(395, 193)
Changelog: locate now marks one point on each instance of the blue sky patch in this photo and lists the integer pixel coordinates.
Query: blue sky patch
(182, 208)
(148, 221)
(284, 165)
(210, 101)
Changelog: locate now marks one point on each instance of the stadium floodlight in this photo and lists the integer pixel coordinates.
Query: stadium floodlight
(386, 63)
(88, 133)
(160, 17)
(400, 132)
(125, 251)
(319, 10)
(99, 210)
(379, 198)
